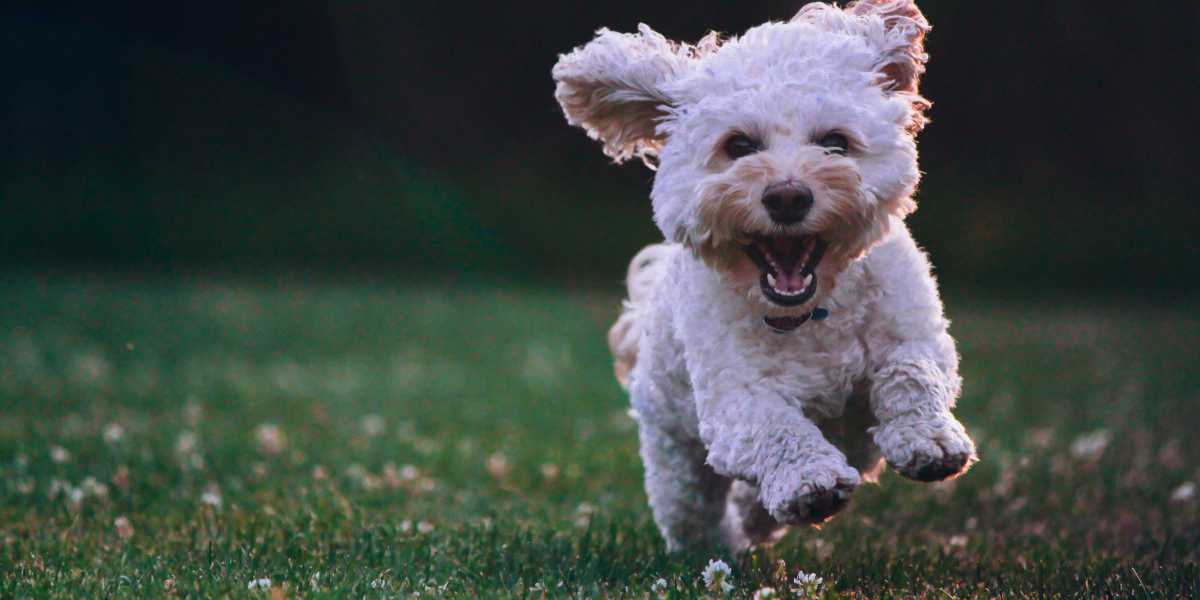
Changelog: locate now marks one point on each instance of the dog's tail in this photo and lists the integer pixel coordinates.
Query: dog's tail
(644, 274)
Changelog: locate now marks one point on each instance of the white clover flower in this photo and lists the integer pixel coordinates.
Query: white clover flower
(378, 584)
(767, 593)
(261, 583)
(806, 585)
(1184, 493)
(1091, 445)
(424, 527)
(114, 433)
(92, 487)
(211, 496)
(270, 438)
(716, 576)
(373, 425)
(59, 454)
(186, 442)
(409, 473)
(124, 527)
(659, 587)
(497, 465)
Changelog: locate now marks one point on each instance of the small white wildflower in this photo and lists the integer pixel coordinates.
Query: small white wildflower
(187, 450)
(314, 581)
(659, 587)
(124, 527)
(497, 465)
(405, 526)
(270, 438)
(537, 588)
(261, 583)
(409, 473)
(806, 585)
(378, 584)
(211, 496)
(1090, 446)
(113, 433)
(957, 541)
(424, 527)
(1185, 492)
(75, 495)
(373, 425)
(767, 593)
(186, 442)
(92, 487)
(59, 454)
(716, 576)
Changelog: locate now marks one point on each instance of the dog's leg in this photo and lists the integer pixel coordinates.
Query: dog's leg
(919, 437)
(747, 521)
(802, 478)
(686, 496)
(913, 375)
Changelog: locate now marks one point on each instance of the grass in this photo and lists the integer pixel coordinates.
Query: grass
(382, 438)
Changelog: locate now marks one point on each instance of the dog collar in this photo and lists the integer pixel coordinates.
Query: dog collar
(786, 324)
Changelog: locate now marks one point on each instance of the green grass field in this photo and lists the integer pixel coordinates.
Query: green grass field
(380, 438)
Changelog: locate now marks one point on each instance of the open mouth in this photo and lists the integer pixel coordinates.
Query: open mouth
(787, 264)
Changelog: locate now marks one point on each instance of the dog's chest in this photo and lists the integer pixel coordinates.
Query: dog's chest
(817, 366)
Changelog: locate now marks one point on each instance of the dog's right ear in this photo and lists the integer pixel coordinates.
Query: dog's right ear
(615, 87)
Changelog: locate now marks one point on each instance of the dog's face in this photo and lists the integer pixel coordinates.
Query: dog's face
(782, 155)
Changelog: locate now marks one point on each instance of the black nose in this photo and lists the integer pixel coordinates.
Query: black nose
(787, 202)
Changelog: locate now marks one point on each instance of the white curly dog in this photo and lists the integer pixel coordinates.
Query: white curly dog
(788, 335)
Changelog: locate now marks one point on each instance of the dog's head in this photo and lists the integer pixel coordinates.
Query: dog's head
(782, 155)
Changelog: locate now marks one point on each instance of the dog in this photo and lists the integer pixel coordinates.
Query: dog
(787, 337)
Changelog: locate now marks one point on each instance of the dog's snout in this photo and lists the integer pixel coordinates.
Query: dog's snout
(787, 202)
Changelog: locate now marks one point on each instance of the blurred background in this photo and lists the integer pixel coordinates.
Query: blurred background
(422, 139)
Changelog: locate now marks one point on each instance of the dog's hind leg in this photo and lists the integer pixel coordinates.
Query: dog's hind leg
(686, 496)
(747, 521)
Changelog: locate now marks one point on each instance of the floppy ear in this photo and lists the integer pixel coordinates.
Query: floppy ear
(896, 30)
(614, 87)
(902, 39)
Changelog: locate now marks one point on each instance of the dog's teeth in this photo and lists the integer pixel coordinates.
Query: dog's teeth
(771, 279)
(807, 279)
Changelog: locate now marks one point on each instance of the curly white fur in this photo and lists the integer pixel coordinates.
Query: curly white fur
(744, 430)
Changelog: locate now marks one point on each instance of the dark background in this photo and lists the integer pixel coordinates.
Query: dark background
(423, 139)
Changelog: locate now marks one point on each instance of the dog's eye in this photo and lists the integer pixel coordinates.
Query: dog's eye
(739, 145)
(834, 142)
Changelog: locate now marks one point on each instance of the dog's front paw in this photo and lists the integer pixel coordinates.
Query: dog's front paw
(811, 496)
(926, 448)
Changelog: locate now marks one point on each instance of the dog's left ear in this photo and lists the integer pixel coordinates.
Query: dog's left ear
(896, 30)
(615, 87)
(902, 39)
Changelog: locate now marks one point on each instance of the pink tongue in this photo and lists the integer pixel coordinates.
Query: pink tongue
(790, 282)
(790, 255)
